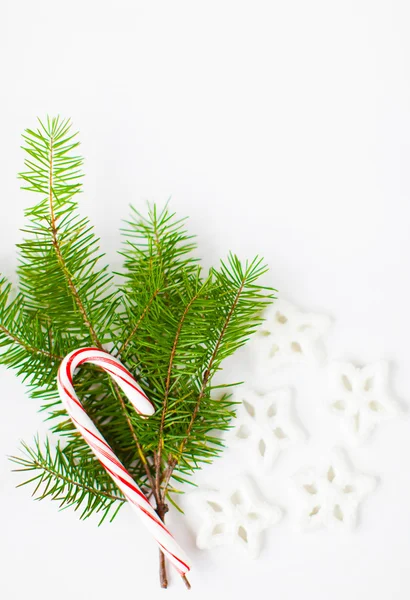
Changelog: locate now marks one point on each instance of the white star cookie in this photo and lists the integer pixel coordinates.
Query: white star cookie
(330, 497)
(235, 515)
(264, 425)
(360, 396)
(289, 336)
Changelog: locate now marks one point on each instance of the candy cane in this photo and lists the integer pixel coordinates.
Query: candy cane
(103, 451)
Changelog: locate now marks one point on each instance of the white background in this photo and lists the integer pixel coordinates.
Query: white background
(280, 128)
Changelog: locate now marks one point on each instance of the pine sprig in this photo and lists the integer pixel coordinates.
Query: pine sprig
(59, 476)
(68, 283)
(237, 313)
(169, 323)
(63, 281)
(28, 344)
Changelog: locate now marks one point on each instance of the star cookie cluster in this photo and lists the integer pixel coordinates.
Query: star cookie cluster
(328, 494)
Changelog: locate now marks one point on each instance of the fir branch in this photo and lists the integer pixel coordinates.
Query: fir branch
(196, 346)
(54, 230)
(25, 340)
(54, 172)
(134, 330)
(203, 289)
(60, 271)
(29, 349)
(70, 482)
(242, 281)
(168, 323)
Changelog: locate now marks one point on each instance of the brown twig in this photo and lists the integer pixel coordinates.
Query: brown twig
(161, 511)
(163, 578)
(185, 580)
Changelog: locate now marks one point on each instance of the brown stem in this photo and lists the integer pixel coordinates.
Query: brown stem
(185, 580)
(163, 579)
(161, 511)
(167, 474)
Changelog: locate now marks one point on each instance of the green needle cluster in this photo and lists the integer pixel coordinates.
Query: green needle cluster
(168, 321)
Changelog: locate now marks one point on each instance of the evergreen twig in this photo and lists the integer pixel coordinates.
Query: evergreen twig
(169, 323)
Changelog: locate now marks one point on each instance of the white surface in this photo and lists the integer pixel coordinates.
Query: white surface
(281, 128)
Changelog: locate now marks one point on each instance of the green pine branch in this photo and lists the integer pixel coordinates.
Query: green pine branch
(62, 279)
(171, 324)
(68, 284)
(28, 343)
(70, 482)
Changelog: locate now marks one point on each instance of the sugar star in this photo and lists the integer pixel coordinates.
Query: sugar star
(235, 515)
(360, 396)
(264, 425)
(331, 496)
(289, 336)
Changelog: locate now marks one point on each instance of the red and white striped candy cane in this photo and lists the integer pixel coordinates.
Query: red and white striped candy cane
(103, 451)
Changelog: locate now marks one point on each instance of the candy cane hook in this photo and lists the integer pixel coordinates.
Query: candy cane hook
(102, 450)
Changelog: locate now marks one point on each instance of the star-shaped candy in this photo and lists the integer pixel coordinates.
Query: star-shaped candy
(330, 497)
(360, 396)
(289, 336)
(235, 515)
(264, 425)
